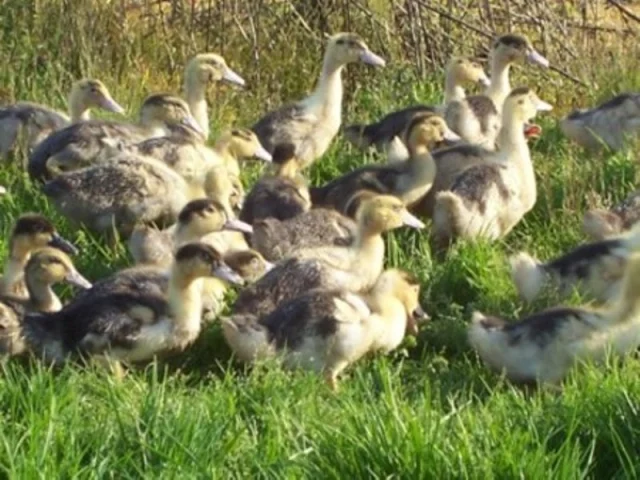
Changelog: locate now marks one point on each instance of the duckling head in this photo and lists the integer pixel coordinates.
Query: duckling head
(33, 231)
(226, 189)
(405, 287)
(88, 93)
(382, 213)
(50, 266)
(203, 216)
(516, 48)
(242, 143)
(207, 68)
(523, 104)
(248, 263)
(467, 71)
(163, 109)
(344, 48)
(426, 130)
(198, 260)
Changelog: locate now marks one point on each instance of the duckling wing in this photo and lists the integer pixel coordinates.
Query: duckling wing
(474, 184)
(288, 279)
(37, 121)
(382, 132)
(308, 315)
(283, 132)
(12, 311)
(82, 144)
(375, 178)
(273, 197)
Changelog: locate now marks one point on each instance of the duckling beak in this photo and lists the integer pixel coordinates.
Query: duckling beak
(192, 124)
(262, 154)
(237, 226)
(224, 272)
(75, 278)
(451, 135)
(268, 266)
(420, 315)
(232, 77)
(542, 106)
(534, 57)
(111, 105)
(371, 58)
(484, 81)
(411, 220)
(63, 244)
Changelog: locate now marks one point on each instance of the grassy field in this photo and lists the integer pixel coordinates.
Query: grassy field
(431, 410)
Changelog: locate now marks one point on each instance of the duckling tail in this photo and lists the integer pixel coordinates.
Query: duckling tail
(358, 135)
(484, 333)
(600, 224)
(627, 307)
(246, 337)
(528, 275)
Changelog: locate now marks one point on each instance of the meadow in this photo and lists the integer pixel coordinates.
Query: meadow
(430, 410)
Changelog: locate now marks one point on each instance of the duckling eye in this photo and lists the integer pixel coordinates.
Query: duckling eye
(521, 102)
(475, 65)
(340, 42)
(460, 62)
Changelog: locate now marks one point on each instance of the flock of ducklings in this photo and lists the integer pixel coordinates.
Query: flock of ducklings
(311, 258)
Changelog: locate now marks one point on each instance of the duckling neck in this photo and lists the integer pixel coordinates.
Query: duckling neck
(389, 312)
(77, 110)
(326, 99)
(41, 296)
(452, 90)
(500, 85)
(14, 270)
(370, 247)
(513, 144)
(185, 304)
(195, 95)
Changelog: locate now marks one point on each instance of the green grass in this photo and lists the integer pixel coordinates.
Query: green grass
(430, 410)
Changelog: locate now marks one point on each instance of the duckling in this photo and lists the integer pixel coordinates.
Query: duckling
(277, 239)
(239, 144)
(460, 72)
(475, 118)
(327, 330)
(30, 232)
(596, 268)
(45, 268)
(600, 224)
(543, 347)
(355, 267)
(91, 142)
(489, 199)
(120, 193)
(305, 129)
(409, 180)
(151, 246)
(35, 122)
(610, 124)
(131, 326)
(201, 71)
(281, 196)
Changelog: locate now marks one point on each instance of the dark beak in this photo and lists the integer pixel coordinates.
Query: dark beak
(63, 244)
(419, 315)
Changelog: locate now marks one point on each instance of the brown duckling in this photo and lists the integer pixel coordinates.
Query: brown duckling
(318, 227)
(91, 142)
(35, 122)
(305, 129)
(600, 223)
(46, 267)
(545, 346)
(133, 325)
(409, 180)
(281, 196)
(30, 232)
(327, 330)
(151, 246)
(354, 268)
